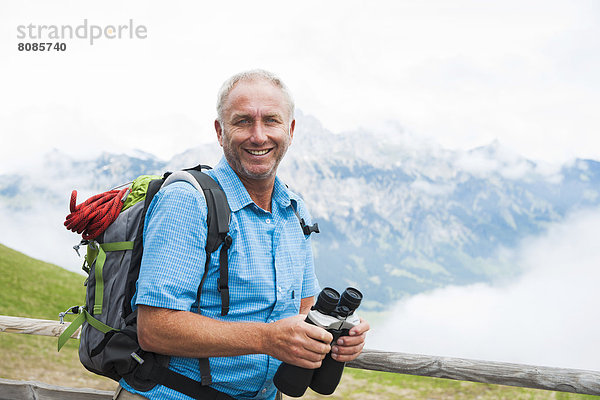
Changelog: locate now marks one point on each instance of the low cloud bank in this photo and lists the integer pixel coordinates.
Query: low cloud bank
(40, 233)
(548, 316)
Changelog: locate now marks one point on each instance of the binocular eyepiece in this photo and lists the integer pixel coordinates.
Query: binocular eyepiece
(335, 314)
(329, 301)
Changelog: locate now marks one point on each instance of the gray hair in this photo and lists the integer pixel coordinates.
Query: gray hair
(252, 75)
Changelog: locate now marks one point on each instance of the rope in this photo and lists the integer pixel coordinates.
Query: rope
(93, 216)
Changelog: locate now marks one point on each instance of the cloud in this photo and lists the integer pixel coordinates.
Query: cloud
(464, 75)
(548, 316)
(39, 233)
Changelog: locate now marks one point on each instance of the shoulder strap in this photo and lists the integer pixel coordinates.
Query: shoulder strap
(219, 216)
(219, 213)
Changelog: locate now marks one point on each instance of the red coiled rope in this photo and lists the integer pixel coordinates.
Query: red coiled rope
(93, 216)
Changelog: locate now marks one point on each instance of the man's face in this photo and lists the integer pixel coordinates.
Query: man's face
(256, 130)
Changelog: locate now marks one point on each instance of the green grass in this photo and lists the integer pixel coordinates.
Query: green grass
(419, 387)
(35, 289)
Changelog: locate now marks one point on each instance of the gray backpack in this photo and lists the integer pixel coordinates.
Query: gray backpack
(109, 344)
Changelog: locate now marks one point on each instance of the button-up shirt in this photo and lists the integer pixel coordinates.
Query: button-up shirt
(270, 270)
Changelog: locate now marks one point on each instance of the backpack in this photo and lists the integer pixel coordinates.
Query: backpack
(108, 340)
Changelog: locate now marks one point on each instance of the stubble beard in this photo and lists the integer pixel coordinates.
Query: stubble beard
(235, 161)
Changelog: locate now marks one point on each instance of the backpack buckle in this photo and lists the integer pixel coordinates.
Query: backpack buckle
(78, 245)
(137, 358)
(71, 311)
(307, 230)
(224, 288)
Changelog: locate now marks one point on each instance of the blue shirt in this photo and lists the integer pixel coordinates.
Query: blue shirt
(270, 270)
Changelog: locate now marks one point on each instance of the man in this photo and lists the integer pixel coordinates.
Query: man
(271, 273)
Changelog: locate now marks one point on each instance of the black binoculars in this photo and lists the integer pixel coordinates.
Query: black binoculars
(335, 314)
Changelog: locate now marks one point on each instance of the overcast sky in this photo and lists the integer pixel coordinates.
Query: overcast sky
(463, 73)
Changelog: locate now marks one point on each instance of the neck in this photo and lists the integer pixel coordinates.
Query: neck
(260, 190)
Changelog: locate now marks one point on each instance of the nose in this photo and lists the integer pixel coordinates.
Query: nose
(259, 135)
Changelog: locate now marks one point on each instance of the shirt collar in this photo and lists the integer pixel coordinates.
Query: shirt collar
(281, 194)
(237, 195)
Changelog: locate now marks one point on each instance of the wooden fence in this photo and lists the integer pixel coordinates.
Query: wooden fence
(25, 390)
(529, 376)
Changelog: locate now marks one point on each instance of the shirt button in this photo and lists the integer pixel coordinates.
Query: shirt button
(268, 221)
(264, 390)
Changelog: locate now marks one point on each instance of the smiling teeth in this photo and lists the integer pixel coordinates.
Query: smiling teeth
(258, 152)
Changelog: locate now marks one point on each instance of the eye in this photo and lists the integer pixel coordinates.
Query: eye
(243, 121)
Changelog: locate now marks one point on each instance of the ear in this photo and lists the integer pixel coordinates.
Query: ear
(219, 131)
(292, 127)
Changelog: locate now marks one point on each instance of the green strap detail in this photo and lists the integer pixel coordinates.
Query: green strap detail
(91, 254)
(77, 322)
(101, 326)
(100, 259)
(99, 293)
(117, 246)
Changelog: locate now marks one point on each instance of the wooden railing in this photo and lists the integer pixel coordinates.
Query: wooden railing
(500, 373)
(25, 390)
(529, 376)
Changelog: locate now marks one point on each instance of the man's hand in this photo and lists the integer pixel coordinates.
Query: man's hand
(347, 348)
(296, 342)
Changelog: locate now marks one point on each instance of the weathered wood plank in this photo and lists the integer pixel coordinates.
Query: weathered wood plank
(28, 390)
(500, 373)
(34, 326)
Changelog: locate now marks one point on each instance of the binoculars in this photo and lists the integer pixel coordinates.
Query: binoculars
(335, 314)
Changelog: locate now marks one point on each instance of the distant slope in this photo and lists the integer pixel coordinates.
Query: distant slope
(35, 289)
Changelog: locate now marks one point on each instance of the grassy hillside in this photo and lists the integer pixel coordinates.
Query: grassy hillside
(35, 289)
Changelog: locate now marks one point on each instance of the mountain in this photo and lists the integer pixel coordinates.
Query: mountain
(398, 214)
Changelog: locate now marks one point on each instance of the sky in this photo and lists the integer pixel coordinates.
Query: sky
(462, 74)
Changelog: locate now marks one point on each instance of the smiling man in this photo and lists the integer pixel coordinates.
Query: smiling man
(255, 127)
(272, 282)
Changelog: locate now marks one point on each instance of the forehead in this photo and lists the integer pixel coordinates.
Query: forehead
(256, 97)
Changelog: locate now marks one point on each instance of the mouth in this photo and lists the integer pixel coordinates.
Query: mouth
(258, 152)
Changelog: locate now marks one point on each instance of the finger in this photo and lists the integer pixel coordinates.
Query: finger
(347, 350)
(341, 355)
(359, 329)
(307, 364)
(351, 340)
(317, 349)
(319, 334)
(344, 358)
